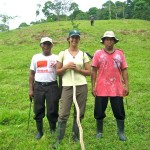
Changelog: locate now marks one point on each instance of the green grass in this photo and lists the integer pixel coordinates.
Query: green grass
(16, 50)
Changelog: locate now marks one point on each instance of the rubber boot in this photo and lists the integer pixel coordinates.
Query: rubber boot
(120, 125)
(99, 124)
(39, 125)
(61, 133)
(52, 127)
(75, 131)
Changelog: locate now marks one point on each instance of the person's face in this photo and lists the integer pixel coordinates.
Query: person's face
(74, 40)
(46, 47)
(109, 43)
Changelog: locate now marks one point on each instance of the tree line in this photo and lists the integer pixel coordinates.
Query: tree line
(60, 10)
(65, 10)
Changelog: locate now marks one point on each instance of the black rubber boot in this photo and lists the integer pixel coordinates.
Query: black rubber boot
(52, 127)
(61, 133)
(120, 125)
(99, 124)
(75, 131)
(39, 125)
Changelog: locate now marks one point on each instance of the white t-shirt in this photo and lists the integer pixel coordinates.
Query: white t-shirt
(65, 57)
(44, 67)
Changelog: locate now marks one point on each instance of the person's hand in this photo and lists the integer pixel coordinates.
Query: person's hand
(94, 92)
(77, 69)
(30, 99)
(70, 65)
(125, 91)
(31, 95)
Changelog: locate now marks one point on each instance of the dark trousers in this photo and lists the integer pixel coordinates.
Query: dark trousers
(116, 105)
(49, 94)
(92, 22)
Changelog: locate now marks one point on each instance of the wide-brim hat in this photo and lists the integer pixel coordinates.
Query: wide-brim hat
(46, 39)
(74, 32)
(109, 34)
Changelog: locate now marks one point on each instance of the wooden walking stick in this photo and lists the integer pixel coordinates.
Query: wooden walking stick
(78, 112)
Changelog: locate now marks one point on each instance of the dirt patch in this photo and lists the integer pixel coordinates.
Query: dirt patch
(126, 32)
(41, 34)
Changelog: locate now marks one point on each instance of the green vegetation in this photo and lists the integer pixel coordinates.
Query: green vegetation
(16, 50)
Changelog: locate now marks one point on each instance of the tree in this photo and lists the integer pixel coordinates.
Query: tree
(64, 6)
(103, 14)
(93, 11)
(48, 8)
(141, 9)
(4, 27)
(82, 15)
(5, 20)
(74, 9)
(23, 25)
(38, 10)
(52, 17)
(59, 7)
(119, 9)
(129, 9)
(109, 10)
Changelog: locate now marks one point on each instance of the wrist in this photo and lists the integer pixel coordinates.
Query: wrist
(126, 85)
(93, 86)
(64, 68)
(80, 70)
(31, 89)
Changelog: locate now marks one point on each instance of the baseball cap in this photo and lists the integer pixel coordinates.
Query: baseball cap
(46, 39)
(74, 32)
(109, 34)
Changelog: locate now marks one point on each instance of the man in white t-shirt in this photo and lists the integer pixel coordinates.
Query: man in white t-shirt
(43, 86)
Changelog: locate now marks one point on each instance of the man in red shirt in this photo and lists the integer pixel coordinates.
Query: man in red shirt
(109, 80)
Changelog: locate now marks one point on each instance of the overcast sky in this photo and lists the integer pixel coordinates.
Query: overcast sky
(26, 9)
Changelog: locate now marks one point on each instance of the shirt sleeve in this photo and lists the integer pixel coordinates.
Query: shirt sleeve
(55, 59)
(95, 60)
(124, 63)
(86, 58)
(60, 56)
(33, 65)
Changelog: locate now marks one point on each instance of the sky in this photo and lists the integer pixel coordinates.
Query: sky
(26, 10)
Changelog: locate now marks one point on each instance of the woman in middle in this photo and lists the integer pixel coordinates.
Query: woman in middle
(78, 61)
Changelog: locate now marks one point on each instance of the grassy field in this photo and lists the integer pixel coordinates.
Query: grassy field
(16, 50)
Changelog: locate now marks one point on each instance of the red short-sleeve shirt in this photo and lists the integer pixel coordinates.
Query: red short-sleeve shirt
(109, 79)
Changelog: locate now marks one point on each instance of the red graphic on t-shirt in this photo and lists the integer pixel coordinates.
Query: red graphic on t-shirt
(42, 63)
(52, 63)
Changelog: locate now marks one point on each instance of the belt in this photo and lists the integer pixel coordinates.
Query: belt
(46, 83)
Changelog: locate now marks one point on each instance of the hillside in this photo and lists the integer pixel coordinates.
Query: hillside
(16, 50)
